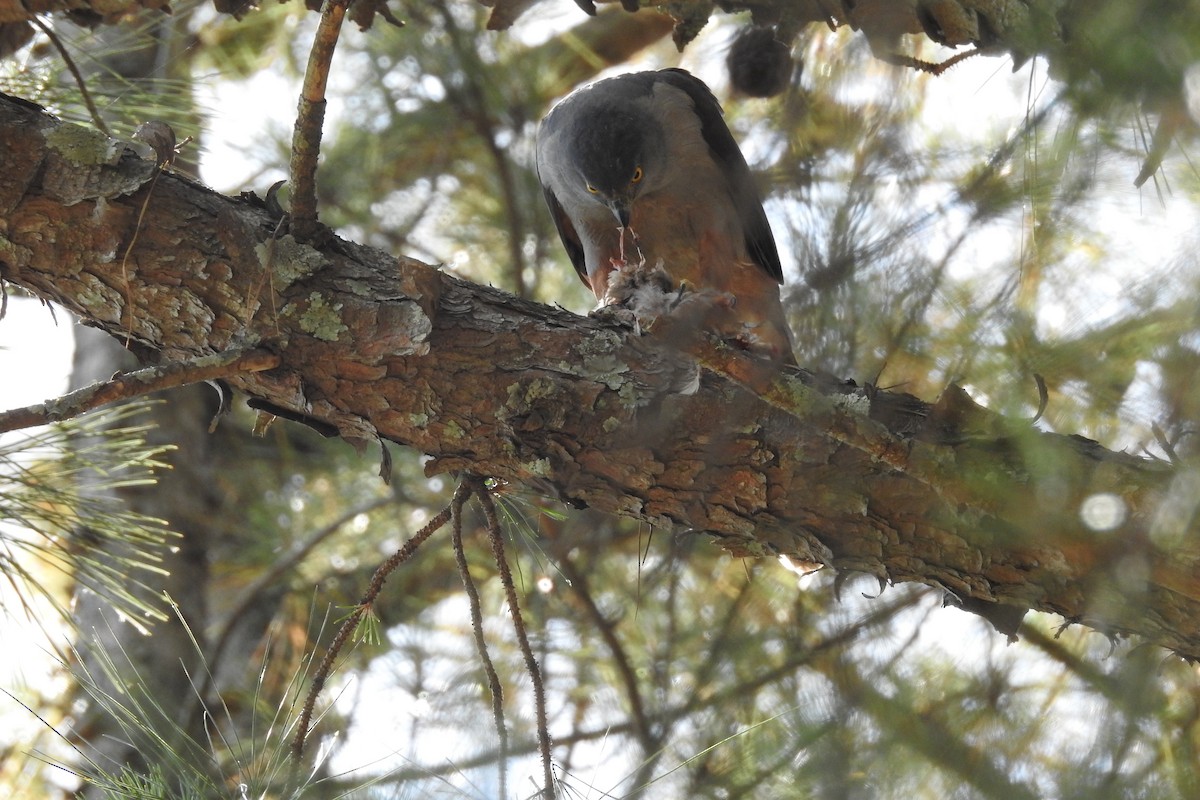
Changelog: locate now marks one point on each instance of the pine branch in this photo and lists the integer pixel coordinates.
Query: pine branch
(590, 412)
(138, 383)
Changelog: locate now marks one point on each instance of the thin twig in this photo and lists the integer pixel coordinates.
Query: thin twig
(310, 117)
(351, 622)
(667, 717)
(489, 668)
(137, 383)
(268, 263)
(97, 120)
(581, 590)
(933, 68)
(531, 664)
(137, 229)
(253, 594)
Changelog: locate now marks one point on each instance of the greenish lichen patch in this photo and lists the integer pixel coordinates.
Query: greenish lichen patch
(289, 260)
(855, 403)
(628, 394)
(85, 146)
(17, 253)
(357, 287)
(320, 318)
(606, 369)
(540, 468)
(539, 389)
(96, 297)
(600, 343)
(453, 431)
(801, 398)
(513, 390)
(523, 396)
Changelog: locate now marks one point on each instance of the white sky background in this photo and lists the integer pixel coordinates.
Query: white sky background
(34, 358)
(35, 351)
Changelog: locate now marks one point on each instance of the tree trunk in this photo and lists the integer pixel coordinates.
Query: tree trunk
(377, 348)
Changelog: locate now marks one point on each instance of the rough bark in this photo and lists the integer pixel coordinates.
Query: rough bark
(589, 411)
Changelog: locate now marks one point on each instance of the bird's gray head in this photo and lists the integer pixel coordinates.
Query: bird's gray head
(618, 151)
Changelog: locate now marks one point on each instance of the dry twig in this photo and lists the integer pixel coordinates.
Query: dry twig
(531, 664)
(125, 386)
(489, 668)
(310, 118)
(453, 512)
(97, 120)
(351, 622)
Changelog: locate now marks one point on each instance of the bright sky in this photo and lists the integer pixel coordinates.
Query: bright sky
(35, 354)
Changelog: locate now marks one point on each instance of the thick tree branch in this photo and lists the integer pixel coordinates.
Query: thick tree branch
(587, 411)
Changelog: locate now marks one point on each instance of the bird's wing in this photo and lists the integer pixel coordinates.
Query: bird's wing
(760, 243)
(548, 176)
(568, 234)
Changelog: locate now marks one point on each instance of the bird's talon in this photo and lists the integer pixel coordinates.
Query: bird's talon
(684, 288)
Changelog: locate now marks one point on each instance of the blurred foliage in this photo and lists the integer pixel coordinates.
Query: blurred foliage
(60, 522)
(920, 248)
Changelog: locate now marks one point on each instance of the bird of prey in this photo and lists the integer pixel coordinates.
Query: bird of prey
(641, 168)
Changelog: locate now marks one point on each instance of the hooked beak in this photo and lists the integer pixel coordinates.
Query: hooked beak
(621, 210)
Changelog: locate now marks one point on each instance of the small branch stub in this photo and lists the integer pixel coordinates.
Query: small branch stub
(310, 119)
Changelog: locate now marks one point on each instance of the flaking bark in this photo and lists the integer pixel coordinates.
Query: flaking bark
(588, 411)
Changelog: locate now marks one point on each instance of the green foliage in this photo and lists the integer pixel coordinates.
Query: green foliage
(173, 764)
(132, 71)
(919, 251)
(60, 513)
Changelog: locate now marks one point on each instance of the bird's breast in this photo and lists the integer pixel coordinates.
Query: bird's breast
(693, 229)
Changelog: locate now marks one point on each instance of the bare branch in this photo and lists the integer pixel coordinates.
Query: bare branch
(324, 669)
(80, 83)
(589, 412)
(128, 385)
(310, 118)
(496, 535)
(460, 557)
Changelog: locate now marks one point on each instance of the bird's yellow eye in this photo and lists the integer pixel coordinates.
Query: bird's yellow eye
(637, 175)
(592, 189)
